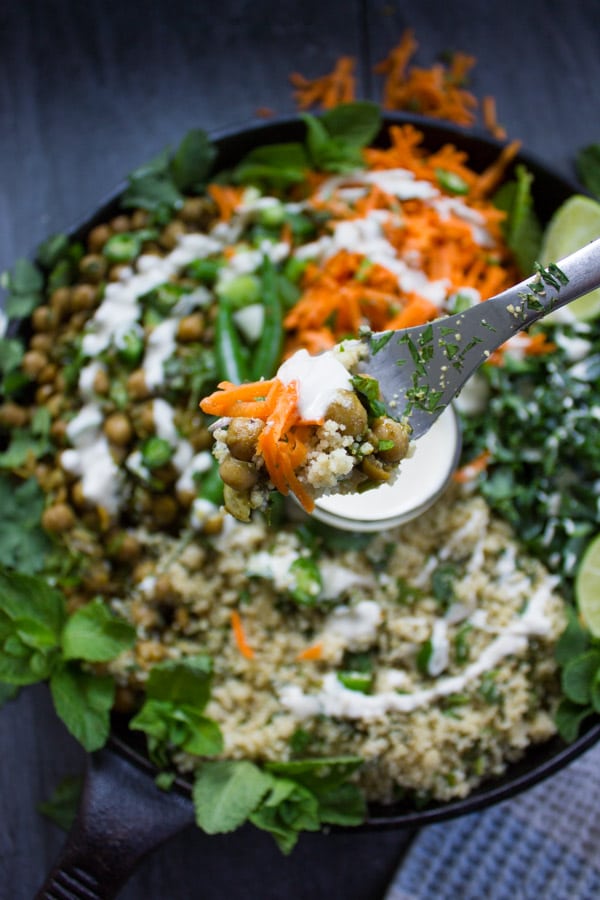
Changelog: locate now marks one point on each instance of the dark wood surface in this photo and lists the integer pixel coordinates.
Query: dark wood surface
(90, 90)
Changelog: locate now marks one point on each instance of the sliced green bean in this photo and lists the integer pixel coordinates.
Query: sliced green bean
(268, 351)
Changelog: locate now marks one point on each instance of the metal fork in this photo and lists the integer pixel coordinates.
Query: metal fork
(420, 370)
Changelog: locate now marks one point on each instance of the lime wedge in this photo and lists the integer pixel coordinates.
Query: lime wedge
(574, 224)
(587, 586)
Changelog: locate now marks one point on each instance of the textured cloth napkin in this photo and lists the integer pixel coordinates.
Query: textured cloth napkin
(543, 845)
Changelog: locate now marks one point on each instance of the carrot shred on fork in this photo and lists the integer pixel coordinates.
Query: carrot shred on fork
(240, 635)
(472, 469)
(312, 653)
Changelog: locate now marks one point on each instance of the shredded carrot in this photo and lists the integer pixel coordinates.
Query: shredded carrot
(240, 635)
(417, 311)
(227, 198)
(473, 468)
(265, 112)
(329, 90)
(314, 652)
(488, 110)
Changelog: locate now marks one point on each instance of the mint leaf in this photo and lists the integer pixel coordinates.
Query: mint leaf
(279, 165)
(83, 701)
(522, 228)
(343, 804)
(7, 692)
(193, 160)
(93, 633)
(356, 124)
(26, 596)
(181, 681)
(568, 718)
(23, 543)
(287, 810)
(167, 725)
(61, 806)
(24, 284)
(578, 676)
(316, 774)
(587, 165)
(573, 641)
(226, 793)
(31, 618)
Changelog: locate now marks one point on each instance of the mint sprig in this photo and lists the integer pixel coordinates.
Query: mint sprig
(171, 717)
(38, 643)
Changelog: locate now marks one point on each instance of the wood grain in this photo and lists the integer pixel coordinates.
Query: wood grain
(90, 90)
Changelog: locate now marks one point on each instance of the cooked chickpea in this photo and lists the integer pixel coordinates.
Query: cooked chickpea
(57, 518)
(58, 431)
(93, 267)
(42, 342)
(190, 328)
(136, 385)
(386, 429)
(120, 224)
(48, 374)
(13, 416)
(43, 394)
(125, 548)
(43, 319)
(164, 510)
(239, 475)
(33, 363)
(101, 382)
(78, 497)
(60, 300)
(242, 436)
(83, 297)
(348, 411)
(140, 219)
(118, 429)
(374, 469)
(171, 234)
(97, 237)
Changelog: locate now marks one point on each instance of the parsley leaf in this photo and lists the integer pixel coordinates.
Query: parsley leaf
(522, 227)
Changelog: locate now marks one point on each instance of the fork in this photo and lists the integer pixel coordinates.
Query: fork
(420, 370)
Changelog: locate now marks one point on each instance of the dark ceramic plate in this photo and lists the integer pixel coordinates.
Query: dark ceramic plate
(123, 815)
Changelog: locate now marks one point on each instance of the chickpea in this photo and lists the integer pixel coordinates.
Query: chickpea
(239, 475)
(48, 374)
(97, 577)
(374, 470)
(118, 429)
(116, 272)
(60, 300)
(126, 548)
(43, 394)
(13, 416)
(97, 237)
(120, 224)
(386, 429)
(164, 592)
(58, 518)
(200, 439)
(142, 570)
(242, 436)
(144, 420)
(150, 651)
(136, 385)
(190, 328)
(83, 297)
(101, 382)
(194, 210)
(42, 342)
(164, 510)
(348, 411)
(58, 431)
(140, 219)
(33, 363)
(43, 319)
(54, 405)
(171, 234)
(93, 267)
(78, 497)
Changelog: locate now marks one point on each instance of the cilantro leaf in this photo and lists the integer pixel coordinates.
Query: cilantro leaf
(226, 793)
(61, 806)
(93, 633)
(83, 701)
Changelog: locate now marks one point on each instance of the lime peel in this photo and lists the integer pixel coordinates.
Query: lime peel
(587, 586)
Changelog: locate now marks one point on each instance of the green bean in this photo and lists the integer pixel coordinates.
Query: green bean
(156, 452)
(231, 360)
(268, 351)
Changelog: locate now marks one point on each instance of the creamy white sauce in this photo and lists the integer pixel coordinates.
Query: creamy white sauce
(355, 624)
(338, 579)
(336, 700)
(202, 510)
(87, 378)
(199, 463)
(319, 378)
(90, 459)
(160, 347)
(440, 649)
(275, 567)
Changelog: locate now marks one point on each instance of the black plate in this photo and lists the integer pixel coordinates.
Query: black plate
(549, 190)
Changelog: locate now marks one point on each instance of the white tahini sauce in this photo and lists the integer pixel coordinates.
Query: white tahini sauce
(336, 700)
(319, 378)
(90, 458)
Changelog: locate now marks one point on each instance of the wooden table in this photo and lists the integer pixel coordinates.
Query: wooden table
(90, 90)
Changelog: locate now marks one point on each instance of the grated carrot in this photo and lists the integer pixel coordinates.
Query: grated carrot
(488, 109)
(314, 652)
(472, 469)
(329, 90)
(227, 199)
(240, 635)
